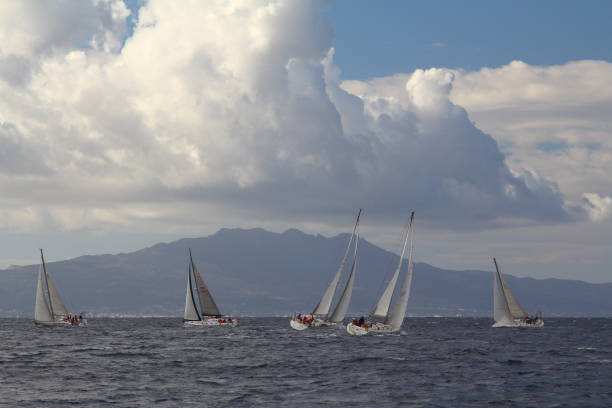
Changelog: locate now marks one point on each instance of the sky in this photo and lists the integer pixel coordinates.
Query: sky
(123, 125)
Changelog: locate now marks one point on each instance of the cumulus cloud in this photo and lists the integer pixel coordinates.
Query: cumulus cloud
(18, 155)
(554, 120)
(598, 208)
(235, 110)
(31, 28)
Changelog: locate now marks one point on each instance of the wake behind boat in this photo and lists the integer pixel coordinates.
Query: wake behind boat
(507, 312)
(49, 308)
(321, 317)
(208, 313)
(393, 316)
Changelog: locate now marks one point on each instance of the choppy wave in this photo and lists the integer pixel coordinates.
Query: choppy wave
(435, 362)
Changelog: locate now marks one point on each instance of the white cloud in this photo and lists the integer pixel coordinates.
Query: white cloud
(555, 120)
(234, 109)
(598, 208)
(31, 30)
(522, 86)
(18, 155)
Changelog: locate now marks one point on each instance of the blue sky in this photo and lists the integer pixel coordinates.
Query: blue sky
(376, 39)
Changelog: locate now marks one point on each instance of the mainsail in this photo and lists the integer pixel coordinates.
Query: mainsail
(324, 304)
(208, 307)
(41, 309)
(382, 307)
(514, 306)
(49, 306)
(501, 311)
(396, 314)
(191, 312)
(343, 304)
(54, 298)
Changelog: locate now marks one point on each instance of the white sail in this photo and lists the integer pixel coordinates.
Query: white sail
(343, 304)
(208, 307)
(395, 317)
(191, 313)
(57, 306)
(41, 309)
(382, 307)
(501, 312)
(324, 304)
(515, 308)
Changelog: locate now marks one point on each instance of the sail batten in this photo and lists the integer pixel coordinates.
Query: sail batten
(324, 304)
(343, 304)
(395, 316)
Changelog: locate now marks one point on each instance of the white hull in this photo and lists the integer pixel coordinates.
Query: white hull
(297, 324)
(519, 323)
(83, 322)
(367, 328)
(221, 321)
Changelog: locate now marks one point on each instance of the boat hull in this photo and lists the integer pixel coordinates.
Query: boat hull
(211, 322)
(298, 324)
(519, 323)
(83, 322)
(375, 328)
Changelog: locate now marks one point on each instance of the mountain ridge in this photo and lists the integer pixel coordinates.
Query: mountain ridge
(259, 272)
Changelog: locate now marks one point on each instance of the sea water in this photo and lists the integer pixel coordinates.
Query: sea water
(432, 362)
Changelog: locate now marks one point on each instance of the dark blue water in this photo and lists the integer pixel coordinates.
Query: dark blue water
(434, 362)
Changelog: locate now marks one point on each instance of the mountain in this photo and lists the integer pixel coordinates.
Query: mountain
(262, 273)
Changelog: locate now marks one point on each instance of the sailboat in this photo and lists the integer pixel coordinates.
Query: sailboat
(393, 314)
(321, 317)
(208, 313)
(49, 308)
(507, 312)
